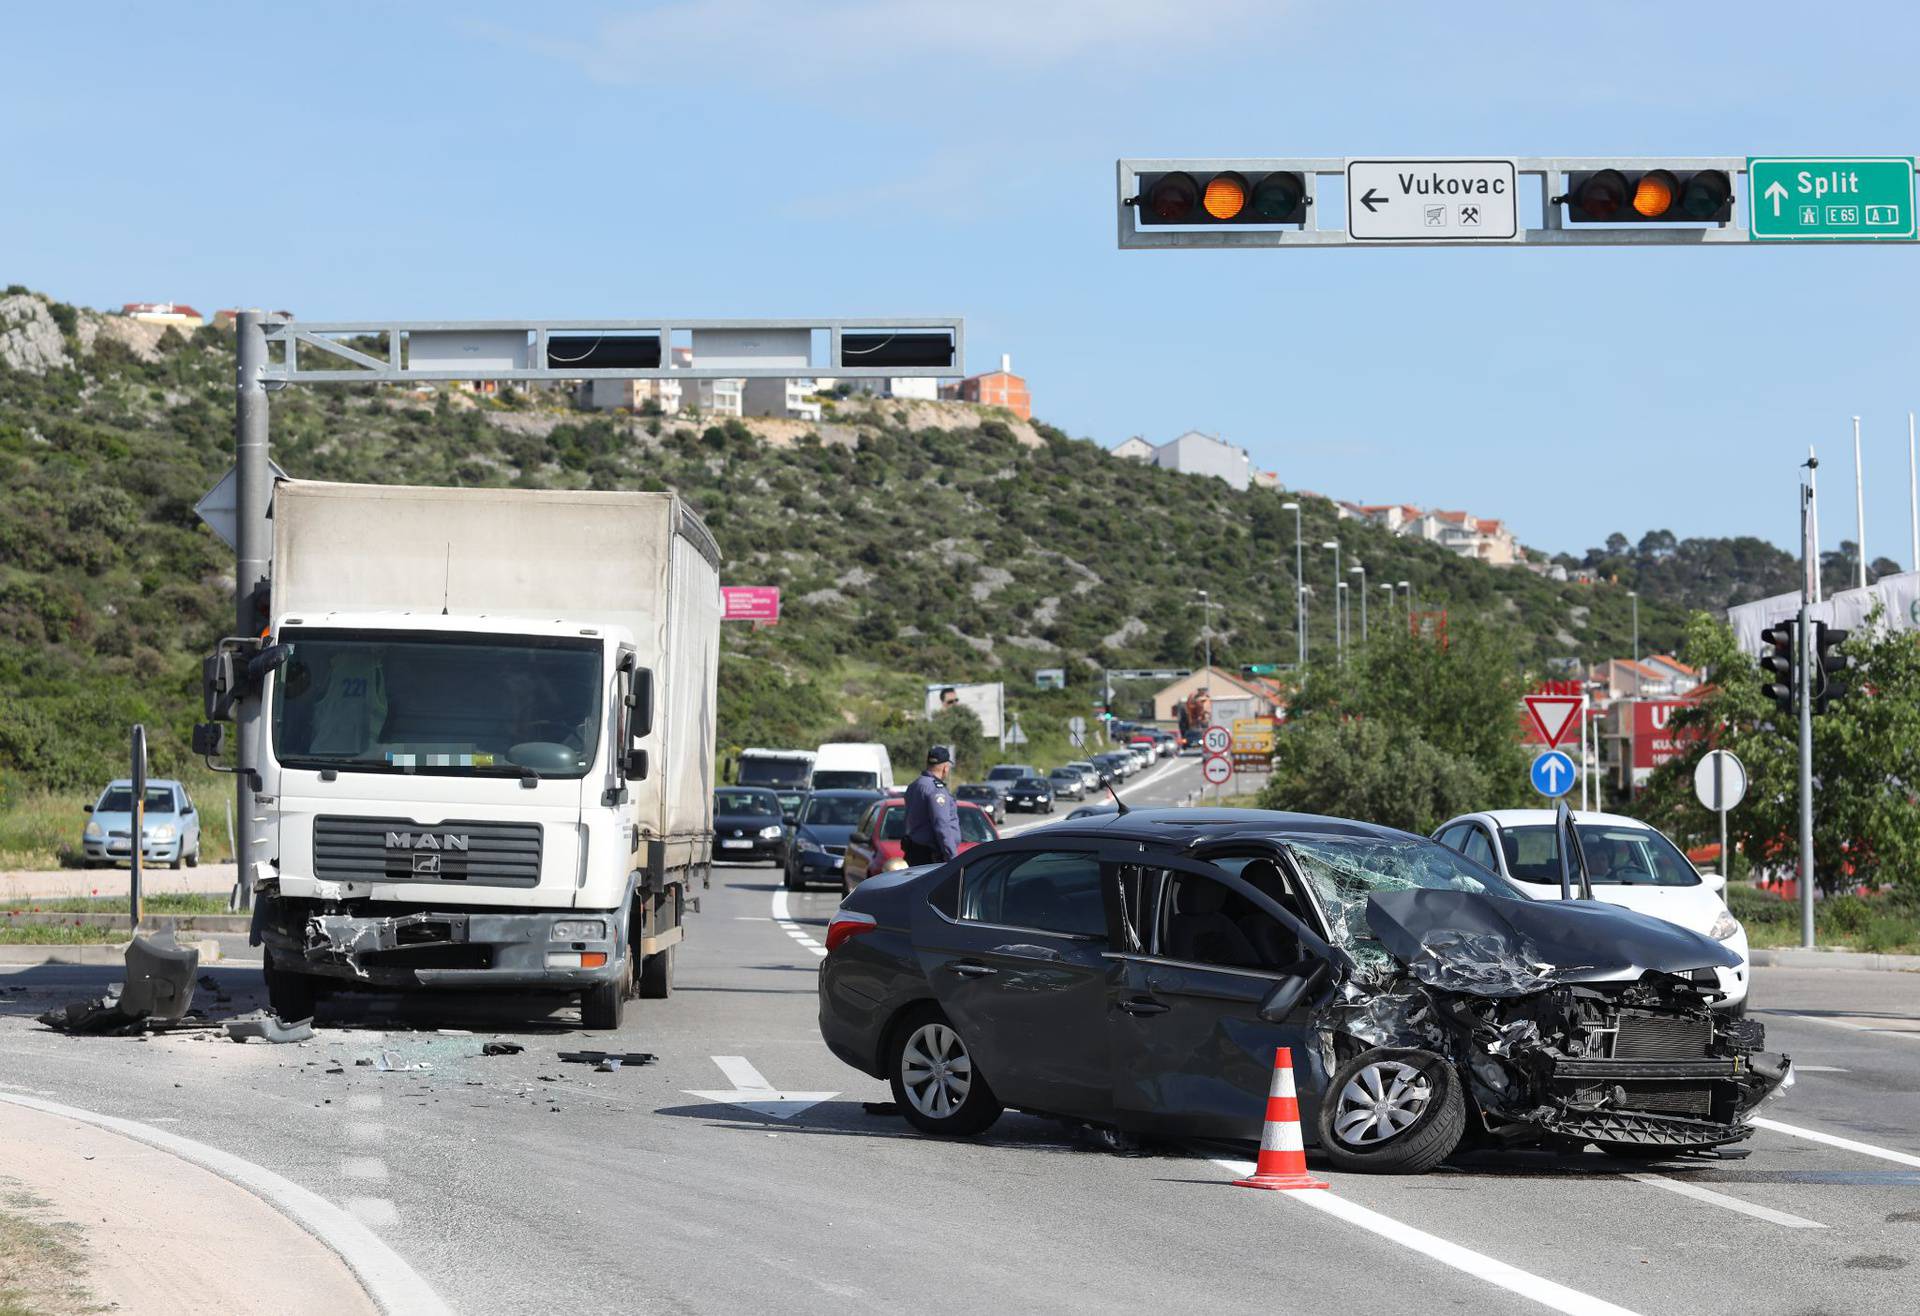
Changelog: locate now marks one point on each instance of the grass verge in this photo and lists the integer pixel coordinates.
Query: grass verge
(1881, 924)
(159, 902)
(41, 830)
(43, 1272)
(58, 934)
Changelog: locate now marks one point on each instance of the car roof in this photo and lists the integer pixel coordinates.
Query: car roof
(846, 793)
(1537, 817)
(151, 783)
(1185, 826)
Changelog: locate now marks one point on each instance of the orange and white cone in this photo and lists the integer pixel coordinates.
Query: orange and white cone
(1283, 1154)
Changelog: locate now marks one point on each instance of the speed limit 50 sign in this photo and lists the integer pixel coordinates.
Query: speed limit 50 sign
(1217, 740)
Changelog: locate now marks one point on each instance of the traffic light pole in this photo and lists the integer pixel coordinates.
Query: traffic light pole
(1803, 681)
(253, 550)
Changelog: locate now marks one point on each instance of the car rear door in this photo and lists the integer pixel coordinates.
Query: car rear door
(1014, 948)
(1200, 953)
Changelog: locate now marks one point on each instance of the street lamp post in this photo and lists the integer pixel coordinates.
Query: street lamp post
(1299, 585)
(1361, 572)
(1634, 595)
(1339, 636)
(1407, 586)
(1206, 605)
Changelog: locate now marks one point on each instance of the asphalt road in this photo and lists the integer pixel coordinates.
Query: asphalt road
(518, 1182)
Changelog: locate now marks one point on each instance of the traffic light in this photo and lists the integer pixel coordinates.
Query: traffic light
(1227, 197)
(1649, 196)
(1830, 668)
(1777, 663)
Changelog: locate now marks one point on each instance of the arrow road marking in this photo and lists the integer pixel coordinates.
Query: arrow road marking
(751, 1091)
(1776, 194)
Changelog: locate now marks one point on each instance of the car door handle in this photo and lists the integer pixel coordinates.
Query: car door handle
(1143, 1005)
(972, 970)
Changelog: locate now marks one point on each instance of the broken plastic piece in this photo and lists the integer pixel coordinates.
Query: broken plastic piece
(266, 1027)
(501, 1049)
(158, 990)
(595, 1057)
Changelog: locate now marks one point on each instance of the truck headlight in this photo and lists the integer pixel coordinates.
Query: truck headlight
(1725, 926)
(579, 929)
(164, 832)
(95, 831)
(771, 833)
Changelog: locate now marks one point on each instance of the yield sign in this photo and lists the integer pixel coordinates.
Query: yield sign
(1554, 716)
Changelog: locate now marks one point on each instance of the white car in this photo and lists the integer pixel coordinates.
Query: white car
(1089, 775)
(1628, 862)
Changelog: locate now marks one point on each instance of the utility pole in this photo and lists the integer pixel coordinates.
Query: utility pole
(253, 551)
(1635, 596)
(1859, 512)
(1913, 496)
(1361, 572)
(1803, 684)
(1813, 485)
(1299, 585)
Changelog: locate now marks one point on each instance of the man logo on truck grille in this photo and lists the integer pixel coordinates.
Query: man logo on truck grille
(448, 841)
(426, 863)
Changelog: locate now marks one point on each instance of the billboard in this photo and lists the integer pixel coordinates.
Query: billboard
(986, 700)
(1654, 737)
(759, 603)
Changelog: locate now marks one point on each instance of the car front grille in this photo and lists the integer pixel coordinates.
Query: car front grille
(361, 850)
(1645, 1036)
(1673, 1099)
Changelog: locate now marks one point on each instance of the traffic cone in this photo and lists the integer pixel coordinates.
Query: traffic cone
(1283, 1156)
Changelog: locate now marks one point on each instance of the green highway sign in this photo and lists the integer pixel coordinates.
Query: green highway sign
(1836, 198)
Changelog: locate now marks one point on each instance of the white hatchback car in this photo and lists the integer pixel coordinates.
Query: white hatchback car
(1628, 862)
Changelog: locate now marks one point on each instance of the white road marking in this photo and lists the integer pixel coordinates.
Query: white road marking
(389, 1280)
(364, 1167)
(1909, 1034)
(784, 919)
(1847, 1144)
(366, 1133)
(1511, 1278)
(741, 1073)
(1154, 774)
(376, 1212)
(751, 1091)
(1819, 1069)
(364, 1101)
(1700, 1194)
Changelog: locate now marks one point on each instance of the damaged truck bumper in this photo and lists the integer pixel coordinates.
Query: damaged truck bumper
(444, 948)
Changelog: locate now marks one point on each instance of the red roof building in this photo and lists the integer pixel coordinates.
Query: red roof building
(995, 388)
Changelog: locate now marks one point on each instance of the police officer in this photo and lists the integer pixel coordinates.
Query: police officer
(933, 820)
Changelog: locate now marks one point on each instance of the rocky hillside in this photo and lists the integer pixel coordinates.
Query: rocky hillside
(912, 540)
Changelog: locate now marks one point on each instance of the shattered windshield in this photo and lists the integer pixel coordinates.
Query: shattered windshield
(1344, 870)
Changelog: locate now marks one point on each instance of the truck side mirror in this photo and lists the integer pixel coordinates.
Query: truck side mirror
(640, 703)
(636, 765)
(209, 739)
(268, 659)
(216, 685)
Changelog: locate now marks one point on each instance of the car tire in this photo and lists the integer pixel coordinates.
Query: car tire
(193, 860)
(656, 975)
(1384, 1085)
(179, 862)
(955, 1102)
(291, 995)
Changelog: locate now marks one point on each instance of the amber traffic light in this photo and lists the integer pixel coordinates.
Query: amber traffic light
(1648, 196)
(1227, 196)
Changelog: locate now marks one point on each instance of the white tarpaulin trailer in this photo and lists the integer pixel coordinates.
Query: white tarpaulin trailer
(1899, 596)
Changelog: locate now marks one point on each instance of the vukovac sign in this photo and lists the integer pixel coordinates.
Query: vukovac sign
(1655, 739)
(759, 603)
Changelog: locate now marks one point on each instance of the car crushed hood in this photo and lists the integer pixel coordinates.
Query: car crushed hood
(1488, 946)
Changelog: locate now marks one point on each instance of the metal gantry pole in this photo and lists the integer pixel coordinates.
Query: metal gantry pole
(253, 550)
(1803, 684)
(1859, 512)
(1913, 496)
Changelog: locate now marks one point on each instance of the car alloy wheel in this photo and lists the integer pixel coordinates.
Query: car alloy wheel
(934, 1080)
(1383, 1099)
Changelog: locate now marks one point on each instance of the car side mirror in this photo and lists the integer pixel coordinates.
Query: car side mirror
(1715, 882)
(86, 808)
(1285, 996)
(640, 704)
(636, 765)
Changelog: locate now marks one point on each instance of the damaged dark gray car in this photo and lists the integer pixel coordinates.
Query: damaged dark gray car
(1138, 970)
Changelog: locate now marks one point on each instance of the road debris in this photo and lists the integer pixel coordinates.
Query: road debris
(264, 1026)
(598, 1058)
(158, 991)
(501, 1049)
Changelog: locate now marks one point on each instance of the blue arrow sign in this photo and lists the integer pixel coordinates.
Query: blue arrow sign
(1552, 774)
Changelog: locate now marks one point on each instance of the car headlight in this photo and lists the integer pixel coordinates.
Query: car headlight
(95, 831)
(1725, 926)
(771, 833)
(579, 929)
(164, 832)
(807, 845)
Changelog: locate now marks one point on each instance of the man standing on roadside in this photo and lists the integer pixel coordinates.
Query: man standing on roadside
(933, 820)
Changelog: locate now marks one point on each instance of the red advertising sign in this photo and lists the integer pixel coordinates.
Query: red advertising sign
(759, 603)
(1654, 737)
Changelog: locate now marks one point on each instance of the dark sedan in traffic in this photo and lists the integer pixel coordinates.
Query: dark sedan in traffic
(817, 845)
(1034, 794)
(748, 826)
(1137, 970)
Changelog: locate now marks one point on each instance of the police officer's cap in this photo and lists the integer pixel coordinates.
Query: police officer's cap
(939, 754)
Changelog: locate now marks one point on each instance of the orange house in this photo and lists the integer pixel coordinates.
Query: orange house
(995, 388)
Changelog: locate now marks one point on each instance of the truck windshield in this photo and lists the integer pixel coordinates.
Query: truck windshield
(445, 705)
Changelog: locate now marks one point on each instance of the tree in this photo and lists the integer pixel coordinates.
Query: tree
(1866, 763)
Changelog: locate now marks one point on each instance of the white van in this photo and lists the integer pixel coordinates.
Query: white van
(852, 765)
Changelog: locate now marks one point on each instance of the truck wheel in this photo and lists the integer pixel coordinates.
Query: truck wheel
(291, 995)
(656, 975)
(602, 1005)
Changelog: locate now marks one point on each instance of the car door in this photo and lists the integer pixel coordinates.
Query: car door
(1014, 948)
(1202, 952)
(859, 857)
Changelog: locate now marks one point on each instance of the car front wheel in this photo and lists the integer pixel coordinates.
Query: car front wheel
(1390, 1111)
(934, 1080)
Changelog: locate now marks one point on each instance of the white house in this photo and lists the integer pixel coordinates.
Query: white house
(1194, 453)
(1135, 449)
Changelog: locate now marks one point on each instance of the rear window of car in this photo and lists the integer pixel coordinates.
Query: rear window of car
(1051, 891)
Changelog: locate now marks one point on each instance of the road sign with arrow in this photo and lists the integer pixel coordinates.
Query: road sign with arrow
(1816, 197)
(1432, 200)
(1552, 774)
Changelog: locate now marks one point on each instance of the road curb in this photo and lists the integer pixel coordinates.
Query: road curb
(394, 1286)
(105, 953)
(1799, 957)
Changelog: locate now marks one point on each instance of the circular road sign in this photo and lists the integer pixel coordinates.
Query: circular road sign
(1733, 780)
(1218, 740)
(1552, 774)
(1216, 769)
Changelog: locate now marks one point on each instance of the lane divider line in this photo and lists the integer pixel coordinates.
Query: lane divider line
(1845, 1144)
(1908, 1034)
(1730, 1203)
(1557, 1297)
(784, 919)
(392, 1284)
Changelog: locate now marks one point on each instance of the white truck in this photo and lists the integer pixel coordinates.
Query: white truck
(487, 756)
(852, 765)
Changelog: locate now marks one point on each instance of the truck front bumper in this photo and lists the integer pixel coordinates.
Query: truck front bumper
(433, 948)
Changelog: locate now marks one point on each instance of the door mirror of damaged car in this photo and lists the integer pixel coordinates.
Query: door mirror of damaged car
(1287, 994)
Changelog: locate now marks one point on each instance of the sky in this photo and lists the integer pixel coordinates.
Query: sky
(921, 157)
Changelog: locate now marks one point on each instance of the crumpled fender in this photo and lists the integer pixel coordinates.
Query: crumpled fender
(1490, 946)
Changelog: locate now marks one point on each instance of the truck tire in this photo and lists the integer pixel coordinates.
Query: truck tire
(602, 1005)
(291, 995)
(656, 975)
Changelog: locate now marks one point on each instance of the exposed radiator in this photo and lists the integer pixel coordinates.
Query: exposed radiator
(1646, 1036)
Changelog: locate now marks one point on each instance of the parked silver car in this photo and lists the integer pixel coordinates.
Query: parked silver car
(170, 834)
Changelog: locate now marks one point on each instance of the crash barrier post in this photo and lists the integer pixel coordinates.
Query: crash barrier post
(1283, 1154)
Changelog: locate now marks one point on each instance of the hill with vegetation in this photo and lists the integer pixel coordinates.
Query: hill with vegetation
(912, 541)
